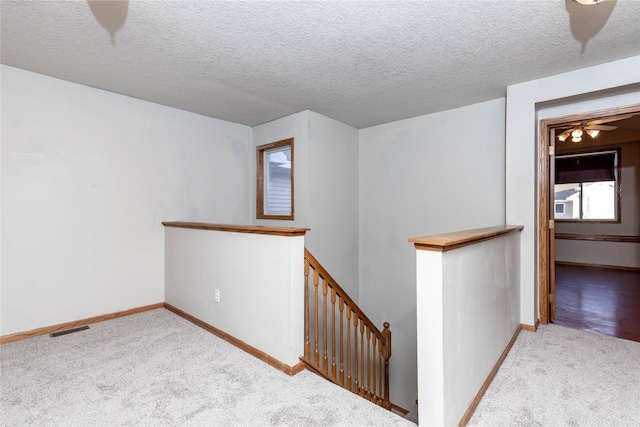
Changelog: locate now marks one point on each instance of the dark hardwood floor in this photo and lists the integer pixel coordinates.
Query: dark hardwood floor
(598, 300)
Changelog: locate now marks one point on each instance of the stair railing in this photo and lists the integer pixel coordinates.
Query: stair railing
(360, 367)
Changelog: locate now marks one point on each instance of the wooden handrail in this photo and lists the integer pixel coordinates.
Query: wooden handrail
(448, 241)
(366, 349)
(251, 229)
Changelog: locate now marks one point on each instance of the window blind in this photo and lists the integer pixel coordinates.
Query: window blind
(587, 168)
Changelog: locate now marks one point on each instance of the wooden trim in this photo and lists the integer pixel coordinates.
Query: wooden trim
(543, 189)
(260, 150)
(599, 237)
(594, 115)
(399, 409)
(596, 221)
(73, 324)
(251, 229)
(485, 385)
(311, 367)
(543, 220)
(296, 369)
(530, 328)
(259, 354)
(600, 266)
(448, 241)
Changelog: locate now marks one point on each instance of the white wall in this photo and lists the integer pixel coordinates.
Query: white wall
(87, 178)
(621, 254)
(427, 175)
(1, 187)
(333, 199)
(326, 189)
(468, 310)
(259, 278)
(523, 102)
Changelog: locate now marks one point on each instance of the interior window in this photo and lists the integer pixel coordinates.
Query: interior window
(275, 181)
(587, 187)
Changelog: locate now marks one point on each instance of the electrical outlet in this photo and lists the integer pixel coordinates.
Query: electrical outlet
(216, 295)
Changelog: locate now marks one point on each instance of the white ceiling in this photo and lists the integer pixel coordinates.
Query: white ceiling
(360, 62)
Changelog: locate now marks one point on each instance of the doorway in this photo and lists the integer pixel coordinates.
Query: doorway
(549, 129)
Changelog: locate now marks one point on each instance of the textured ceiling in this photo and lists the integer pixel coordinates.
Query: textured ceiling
(363, 63)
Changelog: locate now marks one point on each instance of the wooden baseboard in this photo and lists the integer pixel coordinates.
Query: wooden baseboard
(485, 385)
(604, 266)
(74, 324)
(399, 409)
(259, 354)
(296, 369)
(598, 238)
(529, 327)
(312, 368)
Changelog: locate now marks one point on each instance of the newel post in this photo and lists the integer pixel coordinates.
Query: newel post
(386, 333)
(307, 344)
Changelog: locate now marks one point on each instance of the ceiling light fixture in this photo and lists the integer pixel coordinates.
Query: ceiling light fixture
(576, 135)
(588, 2)
(576, 130)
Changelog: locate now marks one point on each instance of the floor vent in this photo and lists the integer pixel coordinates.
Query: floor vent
(68, 331)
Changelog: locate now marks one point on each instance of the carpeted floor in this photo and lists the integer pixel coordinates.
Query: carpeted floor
(564, 377)
(157, 369)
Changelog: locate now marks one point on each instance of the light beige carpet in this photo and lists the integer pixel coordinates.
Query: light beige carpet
(157, 369)
(564, 377)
